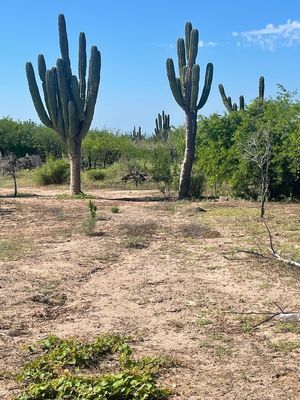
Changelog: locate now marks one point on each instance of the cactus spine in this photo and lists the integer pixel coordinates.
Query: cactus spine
(185, 89)
(233, 107)
(70, 103)
(162, 127)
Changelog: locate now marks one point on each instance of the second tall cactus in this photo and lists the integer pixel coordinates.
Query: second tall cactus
(69, 101)
(185, 89)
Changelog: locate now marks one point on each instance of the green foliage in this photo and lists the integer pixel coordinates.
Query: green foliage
(115, 209)
(88, 226)
(67, 369)
(54, 172)
(92, 208)
(89, 223)
(196, 186)
(223, 140)
(292, 327)
(215, 155)
(284, 346)
(95, 175)
(281, 118)
(137, 135)
(20, 138)
(103, 148)
(163, 167)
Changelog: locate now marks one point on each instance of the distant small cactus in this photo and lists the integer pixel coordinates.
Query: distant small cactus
(162, 127)
(136, 135)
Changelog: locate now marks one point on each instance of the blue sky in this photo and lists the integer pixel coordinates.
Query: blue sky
(243, 40)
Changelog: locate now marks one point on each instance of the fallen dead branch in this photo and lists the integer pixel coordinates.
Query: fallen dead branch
(282, 315)
(271, 255)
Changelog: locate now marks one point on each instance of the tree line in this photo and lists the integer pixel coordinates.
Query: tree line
(227, 149)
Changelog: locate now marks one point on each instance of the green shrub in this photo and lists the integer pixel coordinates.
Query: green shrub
(53, 172)
(89, 223)
(196, 186)
(115, 209)
(95, 175)
(93, 208)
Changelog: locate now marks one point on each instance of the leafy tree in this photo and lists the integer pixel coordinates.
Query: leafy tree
(215, 155)
(104, 148)
(280, 117)
(164, 167)
(20, 138)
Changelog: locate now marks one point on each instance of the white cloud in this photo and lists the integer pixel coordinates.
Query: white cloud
(207, 44)
(273, 36)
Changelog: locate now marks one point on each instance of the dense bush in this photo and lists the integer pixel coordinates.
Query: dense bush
(27, 137)
(53, 172)
(163, 167)
(196, 186)
(95, 175)
(103, 148)
(223, 143)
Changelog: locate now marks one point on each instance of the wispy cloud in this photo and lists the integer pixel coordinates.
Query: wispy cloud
(272, 36)
(207, 44)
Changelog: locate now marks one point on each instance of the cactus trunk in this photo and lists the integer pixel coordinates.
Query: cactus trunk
(189, 154)
(75, 164)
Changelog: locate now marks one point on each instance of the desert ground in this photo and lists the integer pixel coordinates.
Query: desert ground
(173, 277)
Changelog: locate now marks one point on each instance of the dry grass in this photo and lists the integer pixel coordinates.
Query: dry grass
(196, 230)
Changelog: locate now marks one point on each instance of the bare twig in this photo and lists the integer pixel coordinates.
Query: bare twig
(280, 308)
(271, 249)
(270, 314)
(265, 320)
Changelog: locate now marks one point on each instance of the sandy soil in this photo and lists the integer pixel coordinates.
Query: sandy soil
(161, 272)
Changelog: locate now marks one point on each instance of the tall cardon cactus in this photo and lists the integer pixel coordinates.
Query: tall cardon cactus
(185, 89)
(233, 106)
(162, 127)
(69, 101)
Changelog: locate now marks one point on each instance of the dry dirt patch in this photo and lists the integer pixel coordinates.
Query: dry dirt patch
(177, 295)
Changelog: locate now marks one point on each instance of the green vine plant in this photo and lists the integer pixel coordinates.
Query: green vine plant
(104, 369)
